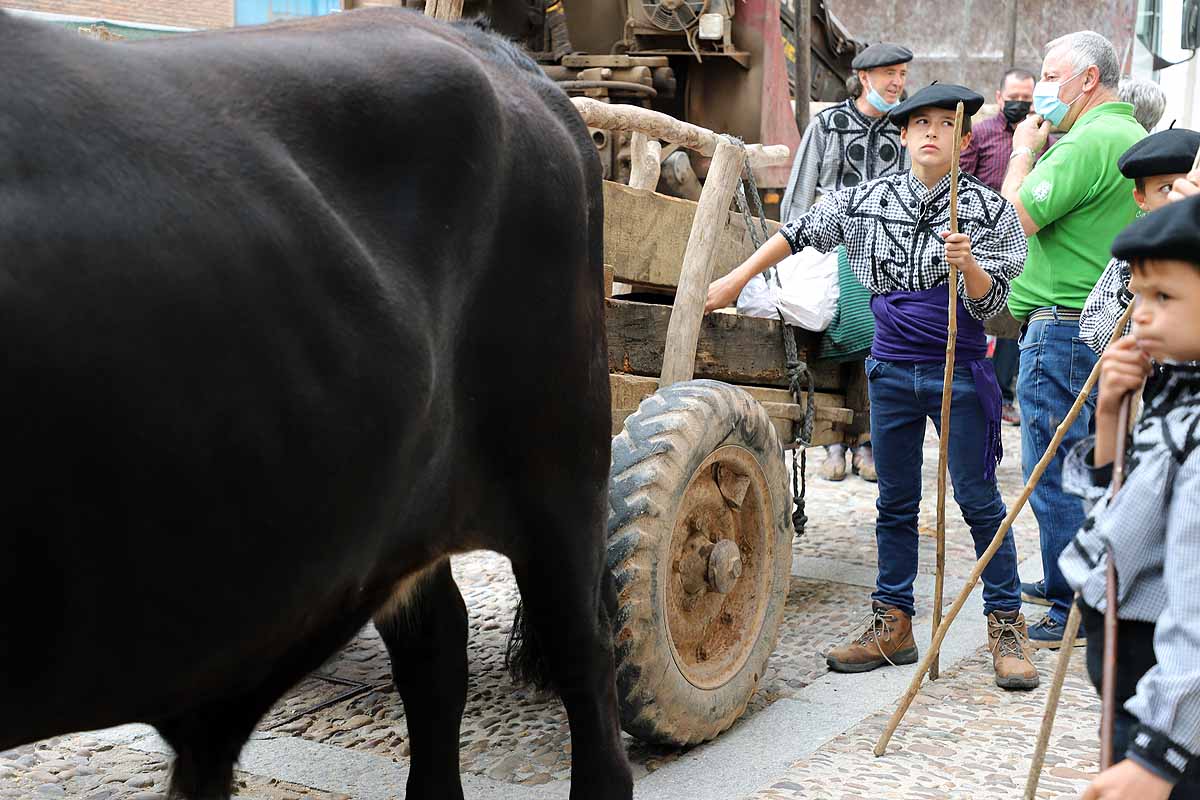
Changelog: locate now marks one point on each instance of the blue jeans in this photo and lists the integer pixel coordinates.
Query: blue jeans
(1055, 363)
(903, 395)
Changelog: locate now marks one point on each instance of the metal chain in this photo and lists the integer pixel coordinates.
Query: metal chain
(800, 377)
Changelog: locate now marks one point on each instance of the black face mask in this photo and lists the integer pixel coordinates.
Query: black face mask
(1016, 110)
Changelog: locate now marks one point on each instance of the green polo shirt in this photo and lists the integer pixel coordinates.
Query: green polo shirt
(1080, 201)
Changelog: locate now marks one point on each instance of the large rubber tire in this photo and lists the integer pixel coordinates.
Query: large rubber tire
(654, 460)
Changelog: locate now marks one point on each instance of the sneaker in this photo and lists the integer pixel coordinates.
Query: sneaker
(863, 463)
(833, 468)
(1048, 633)
(1012, 657)
(887, 639)
(1009, 414)
(1034, 593)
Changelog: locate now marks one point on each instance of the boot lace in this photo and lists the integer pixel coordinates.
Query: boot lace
(876, 624)
(1006, 638)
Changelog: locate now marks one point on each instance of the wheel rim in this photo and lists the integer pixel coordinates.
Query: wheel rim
(714, 614)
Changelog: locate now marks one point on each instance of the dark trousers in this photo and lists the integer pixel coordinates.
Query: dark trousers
(1005, 360)
(1135, 657)
(903, 396)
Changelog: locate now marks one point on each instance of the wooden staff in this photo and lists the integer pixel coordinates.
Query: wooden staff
(947, 392)
(1070, 632)
(940, 633)
(1108, 682)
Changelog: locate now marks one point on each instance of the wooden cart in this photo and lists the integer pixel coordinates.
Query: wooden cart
(700, 528)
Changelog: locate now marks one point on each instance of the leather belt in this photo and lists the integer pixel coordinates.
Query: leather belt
(1054, 313)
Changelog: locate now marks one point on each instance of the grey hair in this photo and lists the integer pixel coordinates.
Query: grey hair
(1147, 97)
(854, 86)
(1087, 49)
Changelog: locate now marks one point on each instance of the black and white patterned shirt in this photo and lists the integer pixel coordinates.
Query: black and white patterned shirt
(890, 228)
(1105, 304)
(841, 147)
(1153, 527)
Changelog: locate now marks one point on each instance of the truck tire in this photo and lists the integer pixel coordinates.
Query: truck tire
(699, 546)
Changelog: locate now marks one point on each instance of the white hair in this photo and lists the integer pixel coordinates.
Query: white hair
(1147, 97)
(1090, 49)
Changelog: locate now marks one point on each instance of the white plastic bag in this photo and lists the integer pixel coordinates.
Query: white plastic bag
(806, 296)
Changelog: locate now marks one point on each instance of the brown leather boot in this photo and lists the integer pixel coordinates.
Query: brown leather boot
(887, 639)
(1012, 655)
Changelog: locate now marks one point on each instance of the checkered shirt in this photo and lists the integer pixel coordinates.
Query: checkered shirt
(841, 147)
(1153, 527)
(890, 229)
(1107, 302)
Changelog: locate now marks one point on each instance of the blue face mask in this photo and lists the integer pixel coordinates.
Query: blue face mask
(876, 100)
(1047, 104)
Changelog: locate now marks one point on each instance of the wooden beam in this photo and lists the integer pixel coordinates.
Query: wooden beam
(731, 348)
(679, 354)
(646, 234)
(619, 117)
(630, 390)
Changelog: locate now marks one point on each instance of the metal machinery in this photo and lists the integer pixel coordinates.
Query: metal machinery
(720, 64)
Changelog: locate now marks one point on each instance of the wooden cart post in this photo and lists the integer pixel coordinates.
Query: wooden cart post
(644, 154)
(679, 353)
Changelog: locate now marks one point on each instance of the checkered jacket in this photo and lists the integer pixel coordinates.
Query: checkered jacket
(1153, 528)
(1107, 302)
(890, 228)
(841, 147)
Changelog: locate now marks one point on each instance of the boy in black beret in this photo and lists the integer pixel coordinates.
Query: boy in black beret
(1154, 164)
(896, 234)
(1153, 526)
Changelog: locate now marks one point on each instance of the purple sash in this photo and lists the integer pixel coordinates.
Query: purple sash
(911, 326)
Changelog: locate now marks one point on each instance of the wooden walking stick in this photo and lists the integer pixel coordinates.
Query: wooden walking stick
(1072, 628)
(981, 564)
(947, 391)
(1108, 681)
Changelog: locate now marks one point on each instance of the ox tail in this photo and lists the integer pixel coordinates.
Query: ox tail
(525, 654)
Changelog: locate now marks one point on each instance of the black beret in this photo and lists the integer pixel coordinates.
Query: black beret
(1172, 231)
(937, 95)
(883, 54)
(1163, 153)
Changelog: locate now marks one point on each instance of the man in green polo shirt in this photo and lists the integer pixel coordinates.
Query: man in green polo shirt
(1071, 205)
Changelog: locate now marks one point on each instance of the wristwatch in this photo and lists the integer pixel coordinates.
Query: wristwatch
(1017, 151)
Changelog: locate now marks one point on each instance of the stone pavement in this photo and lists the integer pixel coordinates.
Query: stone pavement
(807, 734)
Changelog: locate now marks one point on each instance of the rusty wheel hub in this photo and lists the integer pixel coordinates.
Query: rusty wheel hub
(721, 556)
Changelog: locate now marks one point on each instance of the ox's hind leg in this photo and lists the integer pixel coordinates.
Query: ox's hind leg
(563, 638)
(425, 629)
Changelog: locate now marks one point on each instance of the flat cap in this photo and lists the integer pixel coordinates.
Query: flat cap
(883, 54)
(937, 95)
(1172, 231)
(1163, 153)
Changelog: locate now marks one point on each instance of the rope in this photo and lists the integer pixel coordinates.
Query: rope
(800, 378)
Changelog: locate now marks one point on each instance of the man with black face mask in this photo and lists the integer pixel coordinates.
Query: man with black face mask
(986, 157)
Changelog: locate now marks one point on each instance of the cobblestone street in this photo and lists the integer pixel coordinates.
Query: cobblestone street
(807, 734)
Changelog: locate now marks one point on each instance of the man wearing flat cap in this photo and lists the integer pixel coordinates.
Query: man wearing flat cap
(1072, 203)
(896, 233)
(1154, 164)
(845, 145)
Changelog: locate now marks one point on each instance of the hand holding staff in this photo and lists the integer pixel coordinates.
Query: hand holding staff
(947, 387)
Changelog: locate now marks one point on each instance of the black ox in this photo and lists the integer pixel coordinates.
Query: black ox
(288, 316)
